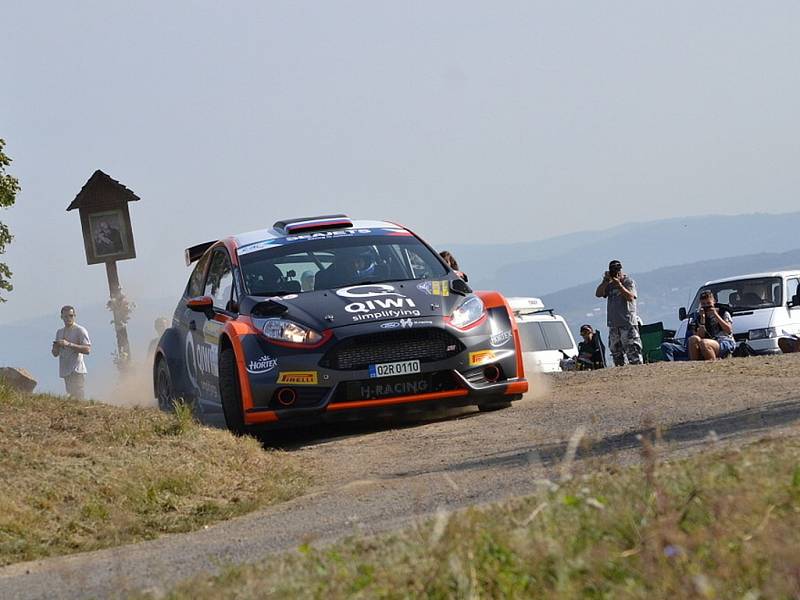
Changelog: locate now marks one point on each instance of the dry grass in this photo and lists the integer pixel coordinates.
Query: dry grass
(78, 476)
(723, 524)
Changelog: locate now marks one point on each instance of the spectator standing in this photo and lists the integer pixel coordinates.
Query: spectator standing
(160, 324)
(621, 314)
(71, 343)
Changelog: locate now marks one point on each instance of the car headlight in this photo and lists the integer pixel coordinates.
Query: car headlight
(468, 312)
(763, 334)
(283, 330)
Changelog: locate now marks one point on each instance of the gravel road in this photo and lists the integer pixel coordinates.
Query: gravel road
(379, 477)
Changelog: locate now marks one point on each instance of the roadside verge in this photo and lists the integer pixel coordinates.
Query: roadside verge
(81, 476)
(722, 523)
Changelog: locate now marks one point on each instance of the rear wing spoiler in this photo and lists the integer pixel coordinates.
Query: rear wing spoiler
(195, 252)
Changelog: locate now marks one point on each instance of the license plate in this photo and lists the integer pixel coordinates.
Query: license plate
(405, 367)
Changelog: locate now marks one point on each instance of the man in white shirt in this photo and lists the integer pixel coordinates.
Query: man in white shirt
(71, 343)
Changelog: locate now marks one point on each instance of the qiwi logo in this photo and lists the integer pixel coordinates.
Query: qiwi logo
(373, 303)
(367, 291)
(380, 304)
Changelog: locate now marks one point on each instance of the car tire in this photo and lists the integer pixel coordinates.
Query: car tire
(165, 395)
(230, 392)
(492, 405)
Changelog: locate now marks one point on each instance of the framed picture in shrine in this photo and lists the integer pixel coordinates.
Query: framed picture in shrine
(107, 235)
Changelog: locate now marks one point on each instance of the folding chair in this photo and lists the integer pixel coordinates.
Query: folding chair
(652, 336)
(598, 343)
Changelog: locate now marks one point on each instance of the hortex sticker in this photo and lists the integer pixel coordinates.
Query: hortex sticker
(298, 377)
(481, 357)
(500, 339)
(265, 364)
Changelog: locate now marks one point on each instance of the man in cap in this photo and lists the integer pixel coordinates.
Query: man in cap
(623, 331)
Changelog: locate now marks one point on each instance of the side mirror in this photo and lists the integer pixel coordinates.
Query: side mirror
(203, 304)
(682, 313)
(459, 286)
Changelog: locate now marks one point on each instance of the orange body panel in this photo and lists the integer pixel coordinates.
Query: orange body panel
(235, 329)
(494, 300)
(397, 400)
(256, 418)
(517, 387)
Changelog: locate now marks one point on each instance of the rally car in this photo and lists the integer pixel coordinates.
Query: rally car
(325, 317)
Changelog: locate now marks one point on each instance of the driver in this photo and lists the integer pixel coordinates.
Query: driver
(350, 265)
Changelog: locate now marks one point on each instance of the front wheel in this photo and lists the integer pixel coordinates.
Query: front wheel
(230, 392)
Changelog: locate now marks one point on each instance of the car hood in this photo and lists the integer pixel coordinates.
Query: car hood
(357, 304)
(757, 319)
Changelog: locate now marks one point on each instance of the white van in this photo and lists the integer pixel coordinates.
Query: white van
(542, 333)
(764, 306)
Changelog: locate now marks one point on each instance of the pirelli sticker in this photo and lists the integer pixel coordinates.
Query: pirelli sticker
(298, 377)
(481, 357)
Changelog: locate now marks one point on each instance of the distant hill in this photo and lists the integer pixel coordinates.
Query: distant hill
(663, 291)
(545, 266)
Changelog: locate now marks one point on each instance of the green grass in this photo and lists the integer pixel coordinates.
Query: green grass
(722, 524)
(78, 476)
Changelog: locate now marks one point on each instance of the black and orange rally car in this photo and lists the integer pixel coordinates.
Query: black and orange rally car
(325, 317)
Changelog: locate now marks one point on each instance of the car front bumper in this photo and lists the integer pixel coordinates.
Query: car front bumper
(303, 386)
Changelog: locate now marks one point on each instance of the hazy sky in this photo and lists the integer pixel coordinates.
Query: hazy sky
(487, 122)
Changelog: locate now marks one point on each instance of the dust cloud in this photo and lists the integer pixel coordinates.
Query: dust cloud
(539, 384)
(132, 388)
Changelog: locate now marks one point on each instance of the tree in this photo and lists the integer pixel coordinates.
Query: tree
(9, 186)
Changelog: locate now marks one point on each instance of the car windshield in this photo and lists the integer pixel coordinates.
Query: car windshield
(745, 294)
(309, 265)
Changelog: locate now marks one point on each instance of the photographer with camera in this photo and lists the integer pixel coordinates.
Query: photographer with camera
(712, 330)
(621, 315)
